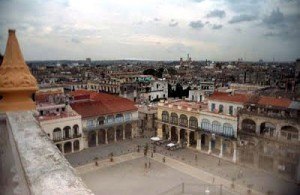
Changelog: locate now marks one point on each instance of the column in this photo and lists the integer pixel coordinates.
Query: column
(188, 138)
(62, 148)
(72, 147)
(123, 132)
(96, 138)
(178, 135)
(234, 158)
(221, 148)
(106, 140)
(115, 134)
(257, 130)
(209, 146)
(198, 147)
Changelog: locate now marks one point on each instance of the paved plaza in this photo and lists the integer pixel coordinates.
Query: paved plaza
(131, 177)
(248, 177)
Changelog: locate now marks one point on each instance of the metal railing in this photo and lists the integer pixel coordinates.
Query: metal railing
(67, 138)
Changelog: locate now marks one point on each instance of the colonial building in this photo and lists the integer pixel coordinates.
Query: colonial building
(269, 135)
(59, 121)
(219, 122)
(147, 119)
(179, 121)
(105, 118)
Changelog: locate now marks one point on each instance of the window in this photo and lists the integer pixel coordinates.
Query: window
(165, 116)
(174, 118)
(228, 129)
(231, 110)
(205, 125)
(216, 127)
(221, 107)
(193, 123)
(183, 120)
(213, 106)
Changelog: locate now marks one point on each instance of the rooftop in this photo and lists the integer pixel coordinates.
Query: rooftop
(227, 97)
(98, 104)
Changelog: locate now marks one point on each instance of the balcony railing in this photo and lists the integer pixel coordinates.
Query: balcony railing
(107, 125)
(67, 138)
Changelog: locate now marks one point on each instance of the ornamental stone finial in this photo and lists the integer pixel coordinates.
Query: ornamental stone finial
(17, 85)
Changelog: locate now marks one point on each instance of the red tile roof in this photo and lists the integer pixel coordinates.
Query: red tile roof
(273, 101)
(226, 97)
(42, 97)
(100, 104)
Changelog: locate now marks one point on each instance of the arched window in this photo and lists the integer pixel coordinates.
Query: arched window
(183, 120)
(119, 118)
(165, 116)
(216, 127)
(193, 122)
(174, 118)
(67, 132)
(57, 134)
(76, 130)
(205, 125)
(110, 119)
(101, 120)
(228, 129)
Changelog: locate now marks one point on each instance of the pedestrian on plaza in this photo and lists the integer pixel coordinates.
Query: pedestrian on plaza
(196, 157)
(138, 148)
(213, 181)
(219, 163)
(151, 154)
(164, 159)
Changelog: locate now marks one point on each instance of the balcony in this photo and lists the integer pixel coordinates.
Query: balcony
(107, 125)
(67, 138)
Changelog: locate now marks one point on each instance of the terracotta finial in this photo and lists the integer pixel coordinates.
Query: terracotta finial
(16, 81)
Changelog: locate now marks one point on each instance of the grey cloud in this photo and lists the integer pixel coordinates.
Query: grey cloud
(216, 14)
(197, 1)
(216, 26)
(242, 18)
(173, 23)
(75, 40)
(196, 24)
(276, 18)
(156, 19)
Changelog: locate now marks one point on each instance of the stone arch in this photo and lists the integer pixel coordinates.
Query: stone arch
(267, 128)
(183, 120)
(192, 138)
(76, 129)
(101, 136)
(205, 125)
(165, 116)
(165, 131)
(111, 134)
(183, 135)
(193, 122)
(57, 134)
(289, 132)
(174, 118)
(174, 136)
(76, 145)
(228, 129)
(67, 132)
(68, 147)
(119, 132)
(248, 125)
(128, 131)
(92, 139)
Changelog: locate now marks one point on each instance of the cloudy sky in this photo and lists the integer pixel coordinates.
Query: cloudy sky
(153, 29)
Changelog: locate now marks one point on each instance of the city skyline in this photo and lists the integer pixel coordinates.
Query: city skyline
(154, 30)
